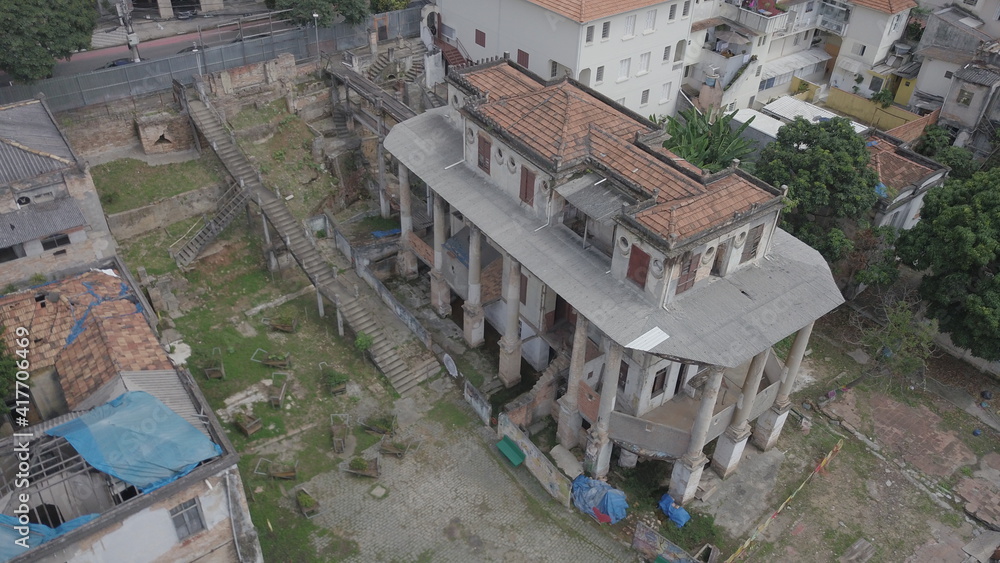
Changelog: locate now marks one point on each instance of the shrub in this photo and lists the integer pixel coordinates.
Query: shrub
(363, 342)
(358, 464)
(305, 499)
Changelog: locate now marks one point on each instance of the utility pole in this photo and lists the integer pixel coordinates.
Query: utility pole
(125, 18)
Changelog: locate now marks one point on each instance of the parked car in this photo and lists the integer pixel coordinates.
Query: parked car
(194, 48)
(185, 14)
(118, 62)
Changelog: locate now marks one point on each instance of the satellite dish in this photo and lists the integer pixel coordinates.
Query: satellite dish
(449, 364)
(23, 200)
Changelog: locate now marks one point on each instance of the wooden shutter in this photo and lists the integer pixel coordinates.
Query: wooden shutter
(623, 375)
(522, 58)
(527, 186)
(689, 270)
(638, 266)
(752, 243)
(659, 381)
(485, 147)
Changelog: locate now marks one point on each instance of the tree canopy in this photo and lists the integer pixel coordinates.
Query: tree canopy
(958, 242)
(354, 11)
(706, 139)
(36, 34)
(826, 168)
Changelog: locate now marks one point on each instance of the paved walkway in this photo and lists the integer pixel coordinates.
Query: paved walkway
(456, 500)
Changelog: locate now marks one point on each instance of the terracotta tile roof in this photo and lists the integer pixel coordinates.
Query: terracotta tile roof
(722, 202)
(85, 326)
(503, 81)
(909, 132)
(51, 320)
(555, 120)
(116, 338)
(894, 170)
(886, 6)
(590, 10)
(565, 121)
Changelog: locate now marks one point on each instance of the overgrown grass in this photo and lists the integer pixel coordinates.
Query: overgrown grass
(128, 183)
(450, 415)
(151, 250)
(251, 116)
(374, 223)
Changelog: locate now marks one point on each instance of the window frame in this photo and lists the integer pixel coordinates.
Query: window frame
(182, 511)
(644, 97)
(965, 97)
(588, 38)
(54, 241)
(659, 382)
(480, 38)
(644, 63)
(483, 156)
(666, 53)
(650, 21)
(688, 274)
(629, 26)
(599, 75)
(606, 30)
(638, 266)
(666, 89)
(523, 56)
(672, 12)
(626, 66)
(751, 246)
(526, 191)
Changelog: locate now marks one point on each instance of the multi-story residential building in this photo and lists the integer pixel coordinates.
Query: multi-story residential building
(53, 220)
(751, 49)
(666, 288)
(952, 38)
(115, 454)
(631, 51)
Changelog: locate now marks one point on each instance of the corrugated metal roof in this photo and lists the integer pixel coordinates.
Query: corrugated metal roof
(38, 220)
(724, 322)
(794, 62)
(166, 386)
(589, 194)
(787, 108)
(30, 143)
(763, 123)
(978, 75)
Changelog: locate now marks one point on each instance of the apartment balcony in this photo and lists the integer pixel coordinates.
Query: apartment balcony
(759, 20)
(832, 24)
(726, 64)
(665, 431)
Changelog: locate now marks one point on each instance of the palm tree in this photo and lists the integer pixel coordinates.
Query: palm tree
(706, 139)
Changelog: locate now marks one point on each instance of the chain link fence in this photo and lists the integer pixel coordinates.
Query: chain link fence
(105, 85)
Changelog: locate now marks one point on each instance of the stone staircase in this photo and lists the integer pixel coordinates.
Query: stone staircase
(416, 69)
(378, 66)
(304, 250)
(451, 53)
(229, 207)
(340, 119)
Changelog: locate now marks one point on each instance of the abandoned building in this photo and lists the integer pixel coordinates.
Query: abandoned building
(51, 213)
(559, 220)
(123, 449)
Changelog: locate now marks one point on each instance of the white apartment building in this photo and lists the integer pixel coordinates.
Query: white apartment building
(631, 51)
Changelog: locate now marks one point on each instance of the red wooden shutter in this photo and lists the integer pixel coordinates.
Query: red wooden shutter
(638, 266)
(527, 186)
(485, 148)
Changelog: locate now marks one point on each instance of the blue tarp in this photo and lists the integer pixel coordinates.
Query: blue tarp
(137, 439)
(37, 534)
(677, 514)
(599, 499)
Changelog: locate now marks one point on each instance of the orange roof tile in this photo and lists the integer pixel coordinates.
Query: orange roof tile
(566, 122)
(504, 81)
(887, 6)
(86, 327)
(589, 10)
(722, 202)
(555, 120)
(909, 132)
(894, 170)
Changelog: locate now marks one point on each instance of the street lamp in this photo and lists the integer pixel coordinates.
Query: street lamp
(316, 24)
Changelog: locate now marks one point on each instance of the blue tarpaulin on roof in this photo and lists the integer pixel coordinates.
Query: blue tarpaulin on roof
(599, 499)
(37, 534)
(139, 440)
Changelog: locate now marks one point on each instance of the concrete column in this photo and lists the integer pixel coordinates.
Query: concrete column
(569, 411)
(473, 319)
(440, 292)
(510, 343)
(627, 459)
(340, 322)
(732, 442)
(406, 261)
(166, 9)
(769, 424)
(383, 191)
(598, 456)
(687, 470)
(319, 303)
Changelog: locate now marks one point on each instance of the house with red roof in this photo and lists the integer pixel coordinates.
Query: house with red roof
(648, 292)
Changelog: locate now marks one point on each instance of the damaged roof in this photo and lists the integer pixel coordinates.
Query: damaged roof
(35, 221)
(30, 142)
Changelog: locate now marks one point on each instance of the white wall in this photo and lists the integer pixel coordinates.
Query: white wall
(931, 79)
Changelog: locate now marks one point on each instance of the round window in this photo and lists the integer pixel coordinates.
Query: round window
(624, 245)
(656, 268)
(499, 155)
(470, 135)
(709, 254)
(511, 165)
(740, 239)
(454, 100)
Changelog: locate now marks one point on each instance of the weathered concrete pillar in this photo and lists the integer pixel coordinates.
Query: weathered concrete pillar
(319, 303)
(627, 459)
(383, 190)
(598, 456)
(687, 470)
(166, 9)
(473, 319)
(510, 343)
(440, 292)
(569, 411)
(769, 424)
(340, 322)
(732, 442)
(406, 260)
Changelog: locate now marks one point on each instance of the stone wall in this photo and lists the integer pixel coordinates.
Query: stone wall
(533, 405)
(100, 128)
(165, 132)
(135, 222)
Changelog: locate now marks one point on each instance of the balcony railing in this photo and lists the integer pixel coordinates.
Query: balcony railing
(756, 20)
(833, 25)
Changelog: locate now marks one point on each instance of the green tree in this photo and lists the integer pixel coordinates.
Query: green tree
(8, 370)
(957, 242)
(706, 139)
(872, 261)
(826, 168)
(960, 161)
(354, 11)
(382, 6)
(902, 343)
(36, 34)
(933, 140)
(883, 98)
